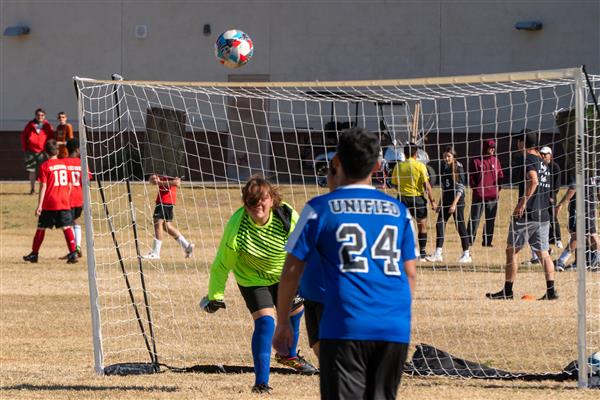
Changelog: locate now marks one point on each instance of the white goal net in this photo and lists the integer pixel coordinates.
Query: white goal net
(214, 136)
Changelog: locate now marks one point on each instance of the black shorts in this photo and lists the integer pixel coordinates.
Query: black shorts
(163, 211)
(590, 221)
(76, 212)
(55, 218)
(355, 369)
(417, 205)
(259, 297)
(313, 312)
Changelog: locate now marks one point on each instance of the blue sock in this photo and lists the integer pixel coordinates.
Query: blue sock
(295, 321)
(264, 327)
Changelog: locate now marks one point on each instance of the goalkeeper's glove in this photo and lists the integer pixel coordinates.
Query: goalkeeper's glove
(211, 306)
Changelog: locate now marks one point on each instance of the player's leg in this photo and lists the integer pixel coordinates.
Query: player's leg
(517, 236)
(44, 221)
(313, 311)
(491, 209)
(187, 246)
(76, 211)
(459, 220)
(259, 302)
(538, 240)
(440, 228)
(421, 217)
(561, 262)
(64, 219)
(474, 218)
(385, 370)
(343, 369)
(293, 359)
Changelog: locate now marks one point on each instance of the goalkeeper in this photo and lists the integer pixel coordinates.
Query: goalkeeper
(253, 248)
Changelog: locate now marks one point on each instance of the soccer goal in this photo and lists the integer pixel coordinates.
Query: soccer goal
(215, 135)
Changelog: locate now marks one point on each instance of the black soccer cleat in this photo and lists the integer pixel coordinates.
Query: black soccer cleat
(72, 258)
(549, 296)
(31, 257)
(501, 295)
(262, 388)
(298, 363)
(78, 251)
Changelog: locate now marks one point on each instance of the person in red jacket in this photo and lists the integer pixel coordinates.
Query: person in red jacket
(484, 177)
(54, 205)
(33, 140)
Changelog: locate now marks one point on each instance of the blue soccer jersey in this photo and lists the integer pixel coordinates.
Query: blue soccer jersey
(362, 238)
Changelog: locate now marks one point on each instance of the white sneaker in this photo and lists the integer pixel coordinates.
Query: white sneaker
(189, 250)
(151, 256)
(465, 259)
(559, 245)
(434, 258)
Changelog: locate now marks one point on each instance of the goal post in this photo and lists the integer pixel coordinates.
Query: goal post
(213, 135)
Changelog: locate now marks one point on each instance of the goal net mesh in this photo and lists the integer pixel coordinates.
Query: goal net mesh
(214, 136)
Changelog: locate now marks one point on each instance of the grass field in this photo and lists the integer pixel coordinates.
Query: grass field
(45, 327)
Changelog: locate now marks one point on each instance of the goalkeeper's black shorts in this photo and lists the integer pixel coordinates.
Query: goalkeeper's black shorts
(357, 369)
(259, 297)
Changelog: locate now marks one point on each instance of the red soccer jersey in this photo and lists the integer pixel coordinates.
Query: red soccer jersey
(74, 168)
(166, 194)
(56, 177)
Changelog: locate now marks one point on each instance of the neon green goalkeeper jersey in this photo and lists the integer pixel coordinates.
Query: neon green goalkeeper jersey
(254, 253)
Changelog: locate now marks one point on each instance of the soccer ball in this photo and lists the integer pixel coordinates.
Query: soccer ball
(234, 48)
(594, 363)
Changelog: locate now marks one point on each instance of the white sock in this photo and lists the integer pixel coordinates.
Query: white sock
(466, 253)
(184, 243)
(77, 232)
(564, 256)
(156, 246)
(438, 251)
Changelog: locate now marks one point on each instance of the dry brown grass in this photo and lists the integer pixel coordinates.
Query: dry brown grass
(45, 328)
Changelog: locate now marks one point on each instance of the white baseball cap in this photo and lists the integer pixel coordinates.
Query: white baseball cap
(546, 150)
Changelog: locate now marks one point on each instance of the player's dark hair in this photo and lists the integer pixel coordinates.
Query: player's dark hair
(72, 145)
(358, 151)
(531, 139)
(39, 110)
(255, 190)
(410, 150)
(51, 147)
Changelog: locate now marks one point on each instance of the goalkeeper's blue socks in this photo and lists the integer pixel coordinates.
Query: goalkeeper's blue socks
(295, 322)
(264, 327)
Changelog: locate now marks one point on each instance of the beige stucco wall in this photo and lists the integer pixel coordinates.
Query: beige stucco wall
(295, 40)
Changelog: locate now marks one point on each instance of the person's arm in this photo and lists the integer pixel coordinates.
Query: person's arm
(224, 262)
(565, 199)
(409, 254)
(410, 267)
(69, 128)
(38, 210)
(459, 188)
(288, 287)
(531, 185)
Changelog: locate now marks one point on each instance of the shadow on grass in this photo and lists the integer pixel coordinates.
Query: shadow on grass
(87, 388)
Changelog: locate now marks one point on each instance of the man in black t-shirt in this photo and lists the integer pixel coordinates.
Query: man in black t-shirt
(530, 221)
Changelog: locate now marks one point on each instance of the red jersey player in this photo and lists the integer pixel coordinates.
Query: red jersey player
(73, 163)
(54, 205)
(163, 216)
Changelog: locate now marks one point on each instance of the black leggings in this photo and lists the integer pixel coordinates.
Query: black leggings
(459, 219)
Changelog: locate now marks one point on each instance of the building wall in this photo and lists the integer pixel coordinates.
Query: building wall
(295, 40)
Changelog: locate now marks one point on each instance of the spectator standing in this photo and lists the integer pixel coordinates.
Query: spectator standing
(62, 134)
(412, 179)
(452, 203)
(530, 221)
(33, 141)
(484, 177)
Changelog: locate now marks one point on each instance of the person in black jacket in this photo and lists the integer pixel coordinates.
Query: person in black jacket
(554, 235)
(452, 203)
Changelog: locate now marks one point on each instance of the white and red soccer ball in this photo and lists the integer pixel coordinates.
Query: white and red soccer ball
(234, 48)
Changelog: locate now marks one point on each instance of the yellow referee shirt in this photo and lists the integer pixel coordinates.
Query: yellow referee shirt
(410, 177)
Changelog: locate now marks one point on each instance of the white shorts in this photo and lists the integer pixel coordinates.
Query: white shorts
(535, 233)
